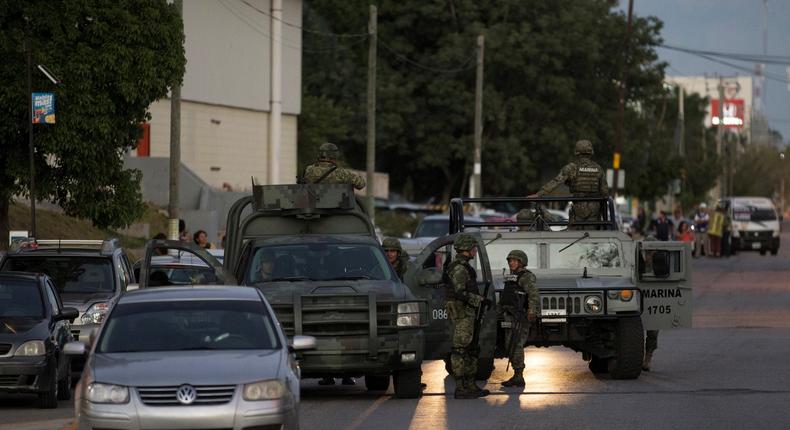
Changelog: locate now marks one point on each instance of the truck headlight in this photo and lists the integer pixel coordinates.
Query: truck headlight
(264, 390)
(624, 295)
(107, 393)
(408, 314)
(95, 314)
(31, 348)
(592, 304)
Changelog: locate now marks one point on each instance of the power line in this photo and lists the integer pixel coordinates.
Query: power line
(467, 65)
(751, 58)
(306, 30)
(711, 58)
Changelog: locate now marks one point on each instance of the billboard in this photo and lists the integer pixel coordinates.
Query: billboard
(43, 108)
(733, 112)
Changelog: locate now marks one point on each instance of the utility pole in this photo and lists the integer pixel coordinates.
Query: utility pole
(720, 133)
(681, 122)
(475, 181)
(371, 99)
(276, 102)
(29, 53)
(618, 133)
(175, 149)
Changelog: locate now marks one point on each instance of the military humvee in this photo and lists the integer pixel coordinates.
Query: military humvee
(599, 289)
(312, 250)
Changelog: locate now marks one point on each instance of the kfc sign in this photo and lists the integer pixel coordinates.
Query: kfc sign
(733, 112)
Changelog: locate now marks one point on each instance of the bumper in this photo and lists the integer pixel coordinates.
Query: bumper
(237, 415)
(351, 356)
(746, 243)
(25, 375)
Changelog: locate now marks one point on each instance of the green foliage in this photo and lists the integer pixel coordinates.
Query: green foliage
(759, 171)
(321, 121)
(551, 73)
(114, 59)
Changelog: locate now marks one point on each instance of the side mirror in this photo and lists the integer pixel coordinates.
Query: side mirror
(661, 264)
(75, 349)
(301, 343)
(430, 277)
(132, 287)
(67, 314)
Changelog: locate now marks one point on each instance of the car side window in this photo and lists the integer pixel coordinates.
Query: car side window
(128, 267)
(123, 272)
(53, 299)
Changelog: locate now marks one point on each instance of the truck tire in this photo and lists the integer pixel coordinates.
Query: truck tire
(49, 399)
(774, 251)
(408, 383)
(485, 367)
(64, 386)
(629, 349)
(377, 382)
(598, 365)
(762, 251)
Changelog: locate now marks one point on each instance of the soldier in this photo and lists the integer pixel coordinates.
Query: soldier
(397, 257)
(520, 281)
(584, 178)
(463, 302)
(326, 170)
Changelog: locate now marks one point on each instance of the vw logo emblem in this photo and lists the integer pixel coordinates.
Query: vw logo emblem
(186, 394)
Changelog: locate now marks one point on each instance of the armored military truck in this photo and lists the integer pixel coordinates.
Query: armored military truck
(599, 289)
(312, 250)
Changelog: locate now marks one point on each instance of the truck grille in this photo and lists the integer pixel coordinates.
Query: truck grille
(571, 303)
(206, 395)
(8, 380)
(331, 315)
(5, 348)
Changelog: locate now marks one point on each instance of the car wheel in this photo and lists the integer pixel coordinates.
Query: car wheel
(630, 344)
(49, 399)
(408, 383)
(598, 365)
(762, 251)
(64, 386)
(774, 251)
(377, 382)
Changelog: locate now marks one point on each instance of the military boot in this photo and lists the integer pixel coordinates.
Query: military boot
(466, 389)
(481, 391)
(517, 380)
(646, 361)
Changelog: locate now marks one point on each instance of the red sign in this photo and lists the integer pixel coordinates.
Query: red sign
(734, 112)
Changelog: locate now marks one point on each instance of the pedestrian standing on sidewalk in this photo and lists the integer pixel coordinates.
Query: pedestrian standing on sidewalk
(716, 230)
(701, 219)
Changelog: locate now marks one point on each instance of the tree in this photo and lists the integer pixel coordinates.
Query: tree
(551, 72)
(115, 59)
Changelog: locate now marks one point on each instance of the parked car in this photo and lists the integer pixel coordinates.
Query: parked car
(429, 228)
(197, 357)
(34, 328)
(89, 275)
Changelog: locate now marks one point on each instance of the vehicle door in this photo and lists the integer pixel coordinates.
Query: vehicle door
(60, 331)
(664, 279)
(425, 279)
(179, 250)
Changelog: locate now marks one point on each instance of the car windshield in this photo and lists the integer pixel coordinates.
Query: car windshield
(497, 255)
(591, 255)
(20, 299)
(70, 274)
(753, 213)
(433, 228)
(318, 261)
(188, 325)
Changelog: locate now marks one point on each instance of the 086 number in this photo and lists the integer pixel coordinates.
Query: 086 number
(439, 314)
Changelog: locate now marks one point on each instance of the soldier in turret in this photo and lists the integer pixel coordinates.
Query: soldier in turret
(326, 171)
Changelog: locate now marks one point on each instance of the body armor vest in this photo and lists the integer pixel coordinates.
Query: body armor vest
(587, 178)
(509, 296)
(471, 284)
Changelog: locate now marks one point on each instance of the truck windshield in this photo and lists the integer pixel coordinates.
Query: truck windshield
(70, 274)
(318, 261)
(584, 254)
(498, 250)
(753, 213)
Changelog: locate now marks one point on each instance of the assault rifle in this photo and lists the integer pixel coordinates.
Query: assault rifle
(518, 324)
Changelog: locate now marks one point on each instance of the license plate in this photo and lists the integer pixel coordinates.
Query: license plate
(506, 324)
(553, 320)
(756, 245)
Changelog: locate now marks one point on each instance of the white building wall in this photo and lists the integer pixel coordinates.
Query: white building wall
(224, 145)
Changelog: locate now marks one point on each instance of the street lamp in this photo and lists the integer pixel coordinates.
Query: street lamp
(46, 72)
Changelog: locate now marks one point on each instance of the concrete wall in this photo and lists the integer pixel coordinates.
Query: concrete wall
(224, 145)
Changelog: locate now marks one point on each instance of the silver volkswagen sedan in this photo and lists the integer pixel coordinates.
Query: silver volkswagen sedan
(190, 358)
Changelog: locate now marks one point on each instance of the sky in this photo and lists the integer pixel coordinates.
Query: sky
(729, 26)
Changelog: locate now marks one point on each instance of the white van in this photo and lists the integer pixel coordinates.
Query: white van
(755, 224)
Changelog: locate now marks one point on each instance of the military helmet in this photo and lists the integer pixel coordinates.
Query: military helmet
(464, 242)
(328, 150)
(391, 244)
(519, 255)
(584, 147)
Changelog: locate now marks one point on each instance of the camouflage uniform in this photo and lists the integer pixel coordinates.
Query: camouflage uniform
(340, 175)
(463, 301)
(524, 281)
(403, 263)
(584, 178)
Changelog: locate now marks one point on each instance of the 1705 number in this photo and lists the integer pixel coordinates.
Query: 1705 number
(659, 309)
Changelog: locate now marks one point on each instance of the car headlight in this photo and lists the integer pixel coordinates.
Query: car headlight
(264, 390)
(408, 314)
(107, 393)
(776, 233)
(31, 348)
(96, 313)
(592, 304)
